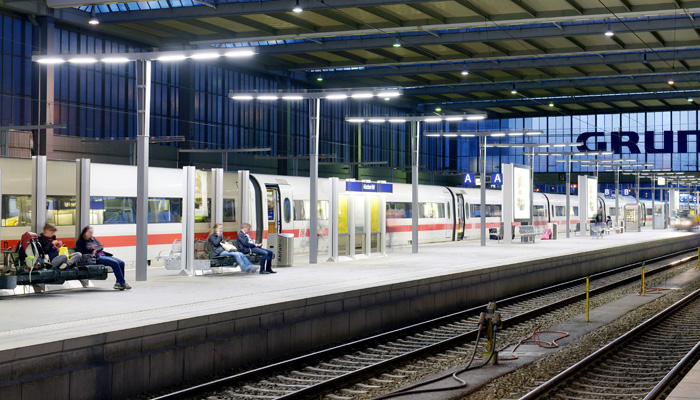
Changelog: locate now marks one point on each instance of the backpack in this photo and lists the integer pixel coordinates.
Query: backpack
(547, 234)
(29, 251)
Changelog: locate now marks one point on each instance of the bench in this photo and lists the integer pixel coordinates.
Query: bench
(527, 233)
(203, 251)
(39, 278)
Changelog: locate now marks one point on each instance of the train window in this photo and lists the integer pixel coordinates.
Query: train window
(164, 210)
(576, 211)
(287, 210)
(538, 211)
(560, 211)
(323, 209)
(612, 211)
(492, 210)
(112, 210)
(229, 210)
(398, 210)
(60, 210)
(431, 210)
(16, 210)
(648, 213)
(448, 210)
(301, 210)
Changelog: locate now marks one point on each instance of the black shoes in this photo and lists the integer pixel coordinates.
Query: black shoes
(264, 272)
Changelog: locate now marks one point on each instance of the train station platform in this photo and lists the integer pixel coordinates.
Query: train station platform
(102, 343)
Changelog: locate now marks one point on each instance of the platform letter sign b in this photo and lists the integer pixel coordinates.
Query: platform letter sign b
(468, 179)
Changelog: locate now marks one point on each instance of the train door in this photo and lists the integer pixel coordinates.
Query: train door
(274, 220)
(460, 216)
(285, 207)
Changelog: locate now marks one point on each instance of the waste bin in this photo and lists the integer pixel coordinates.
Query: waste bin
(282, 244)
(554, 227)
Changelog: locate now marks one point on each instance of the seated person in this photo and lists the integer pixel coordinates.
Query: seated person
(88, 244)
(218, 244)
(248, 245)
(49, 248)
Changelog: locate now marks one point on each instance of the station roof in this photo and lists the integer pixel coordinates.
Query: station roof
(548, 51)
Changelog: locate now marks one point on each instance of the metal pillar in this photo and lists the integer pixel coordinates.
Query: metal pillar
(637, 193)
(244, 190)
(568, 196)
(415, 141)
(333, 222)
(368, 224)
(218, 192)
(43, 86)
(82, 195)
(187, 257)
(482, 209)
(382, 224)
(617, 196)
(314, 127)
(351, 224)
(653, 202)
(38, 193)
(532, 183)
(143, 128)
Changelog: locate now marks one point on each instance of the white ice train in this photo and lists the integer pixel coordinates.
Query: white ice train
(276, 204)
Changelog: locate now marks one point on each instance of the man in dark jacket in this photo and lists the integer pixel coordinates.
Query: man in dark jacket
(246, 245)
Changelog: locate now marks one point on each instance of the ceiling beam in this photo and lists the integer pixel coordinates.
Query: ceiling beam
(293, 19)
(481, 36)
(525, 7)
(576, 42)
(428, 11)
(467, 4)
(253, 24)
(210, 27)
(383, 14)
(507, 64)
(559, 83)
(575, 6)
(338, 17)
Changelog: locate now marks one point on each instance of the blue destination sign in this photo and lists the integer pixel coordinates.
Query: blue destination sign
(630, 141)
(468, 179)
(497, 179)
(373, 187)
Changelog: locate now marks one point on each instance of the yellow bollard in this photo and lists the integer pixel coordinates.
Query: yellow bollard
(644, 289)
(588, 287)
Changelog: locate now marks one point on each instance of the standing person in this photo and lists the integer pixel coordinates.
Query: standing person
(218, 244)
(49, 247)
(88, 244)
(599, 218)
(248, 245)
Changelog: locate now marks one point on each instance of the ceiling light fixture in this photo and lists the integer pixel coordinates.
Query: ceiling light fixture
(205, 56)
(93, 18)
(396, 43)
(690, 99)
(670, 81)
(551, 104)
(174, 57)
(513, 91)
(609, 32)
(319, 78)
(297, 8)
(465, 72)
(438, 109)
(82, 60)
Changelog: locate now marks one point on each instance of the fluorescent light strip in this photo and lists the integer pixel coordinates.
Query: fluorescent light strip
(362, 95)
(498, 134)
(432, 120)
(376, 120)
(515, 134)
(267, 97)
(388, 94)
(293, 97)
(450, 135)
(475, 117)
(451, 119)
(337, 96)
(397, 121)
(356, 120)
(205, 56)
(82, 60)
(240, 53)
(173, 57)
(51, 61)
(242, 97)
(468, 135)
(533, 133)
(115, 60)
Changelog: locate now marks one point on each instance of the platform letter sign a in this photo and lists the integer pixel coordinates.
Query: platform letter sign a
(497, 179)
(468, 179)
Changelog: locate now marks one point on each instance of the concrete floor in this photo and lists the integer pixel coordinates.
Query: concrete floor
(168, 297)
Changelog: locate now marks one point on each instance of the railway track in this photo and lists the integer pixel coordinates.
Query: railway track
(320, 372)
(641, 364)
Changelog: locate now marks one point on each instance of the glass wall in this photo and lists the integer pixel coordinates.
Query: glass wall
(666, 139)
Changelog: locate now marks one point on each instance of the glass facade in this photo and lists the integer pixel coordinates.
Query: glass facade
(667, 139)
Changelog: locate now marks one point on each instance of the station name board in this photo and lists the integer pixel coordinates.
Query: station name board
(630, 140)
(376, 187)
(496, 179)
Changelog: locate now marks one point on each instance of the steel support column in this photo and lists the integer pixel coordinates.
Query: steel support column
(415, 142)
(218, 193)
(38, 193)
(43, 86)
(314, 127)
(482, 208)
(568, 196)
(617, 197)
(82, 195)
(143, 110)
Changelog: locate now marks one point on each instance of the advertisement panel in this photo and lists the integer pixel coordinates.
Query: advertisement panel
(522, 209)
(592, 197)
